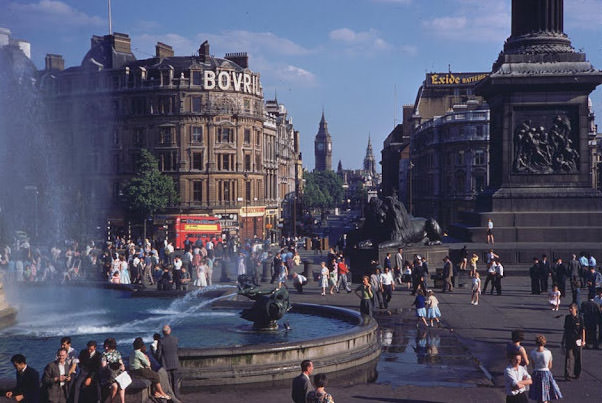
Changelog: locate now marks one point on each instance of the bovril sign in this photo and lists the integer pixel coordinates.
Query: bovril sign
(227, 80)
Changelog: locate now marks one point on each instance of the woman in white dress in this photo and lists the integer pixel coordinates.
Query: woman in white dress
(125, 273)
(201, 274)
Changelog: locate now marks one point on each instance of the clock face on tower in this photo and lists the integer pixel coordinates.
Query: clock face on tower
(320, 146)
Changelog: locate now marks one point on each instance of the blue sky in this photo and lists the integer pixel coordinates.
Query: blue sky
(360, 60)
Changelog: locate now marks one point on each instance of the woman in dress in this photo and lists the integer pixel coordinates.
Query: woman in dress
(124, 276)
(324, 275)
(333, 276)
(476, 288)
(554, 298)
(201, 274)
(420, 304)
(140, 366)
(282, 276)
(544, 387)
(407, 274)
(112, 366)
(432, 312)
(515, 348)
(473, 264)
(319, 395)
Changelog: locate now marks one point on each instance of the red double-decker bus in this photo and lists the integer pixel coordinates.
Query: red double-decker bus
(179, 227)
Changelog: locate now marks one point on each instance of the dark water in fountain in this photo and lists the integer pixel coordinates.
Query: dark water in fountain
(46, 313)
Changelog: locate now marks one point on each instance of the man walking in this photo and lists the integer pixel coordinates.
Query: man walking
(168, 354)
(301, 383)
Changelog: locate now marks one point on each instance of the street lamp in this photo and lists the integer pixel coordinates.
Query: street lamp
(247, 196)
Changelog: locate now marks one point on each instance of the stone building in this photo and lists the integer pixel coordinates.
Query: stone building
(203, 117)
(323, 147)
(449, 146)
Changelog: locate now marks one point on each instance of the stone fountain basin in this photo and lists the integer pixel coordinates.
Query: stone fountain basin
(221, 367)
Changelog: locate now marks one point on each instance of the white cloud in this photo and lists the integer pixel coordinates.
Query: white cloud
(473, 21)
(361, 41)
(50, 13)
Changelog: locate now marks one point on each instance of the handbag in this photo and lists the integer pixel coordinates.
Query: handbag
(123, 379)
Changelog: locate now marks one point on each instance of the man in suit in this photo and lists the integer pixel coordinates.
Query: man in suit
(89, 365)
(56, 379)
(168, 355)
(302, 384)
(28, 382)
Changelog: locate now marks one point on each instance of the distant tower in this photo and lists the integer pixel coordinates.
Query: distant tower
(323, 147)
(369, 163)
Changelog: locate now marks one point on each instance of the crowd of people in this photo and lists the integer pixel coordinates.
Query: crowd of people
(94, 376)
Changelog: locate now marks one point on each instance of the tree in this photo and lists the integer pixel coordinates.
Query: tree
(150, 190)
(323, 190)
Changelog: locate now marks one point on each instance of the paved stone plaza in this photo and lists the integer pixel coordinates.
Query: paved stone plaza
(472, 336)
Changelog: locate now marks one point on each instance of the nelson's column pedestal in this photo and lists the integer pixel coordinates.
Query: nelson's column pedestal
(540, 185)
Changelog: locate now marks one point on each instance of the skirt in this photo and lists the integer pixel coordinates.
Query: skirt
(406, 278)
(544, 387)
(433, 313)
(421, 312)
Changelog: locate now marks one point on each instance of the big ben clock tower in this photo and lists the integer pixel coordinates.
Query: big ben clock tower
(323, 147)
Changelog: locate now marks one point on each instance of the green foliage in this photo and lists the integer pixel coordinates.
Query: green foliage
(150, 190)
(323, 189)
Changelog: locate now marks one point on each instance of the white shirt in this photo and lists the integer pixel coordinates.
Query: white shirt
(499, 269)
(541, 360)
(386, 278)
(490, 225)
(512, 376)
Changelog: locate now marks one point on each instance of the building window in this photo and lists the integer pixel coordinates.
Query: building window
(248, 190)
(116, 191)
(257, 138)
(225, 135)
(460, 158)
(247, 136)
(197, 134)
(116, 163)
(196, 104)
(197, 191)
(196, 78)
(166, 105)
(479, 183)
(167, 161)
(460, 182)
(247, 105)
(247, 162)
(479, 157)
(225, 162)
(197, 161)
(139, 139)
(138, 106)
(165, 135)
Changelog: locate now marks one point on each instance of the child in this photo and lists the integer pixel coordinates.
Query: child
(420, 304)
(407, 275)
(476, 288)
(433, 313)
(473, 264)
(554, 298)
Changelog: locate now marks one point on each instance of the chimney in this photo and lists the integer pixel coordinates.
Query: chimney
(121, 43)
(54, 62)
(241, 58)
(162, 50)
(204, 52)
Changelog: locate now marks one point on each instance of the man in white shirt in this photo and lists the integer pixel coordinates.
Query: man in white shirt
(499, 274)
(386, 279)
(516, 380)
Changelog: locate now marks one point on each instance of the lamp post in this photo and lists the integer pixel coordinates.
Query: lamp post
(247, 196)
